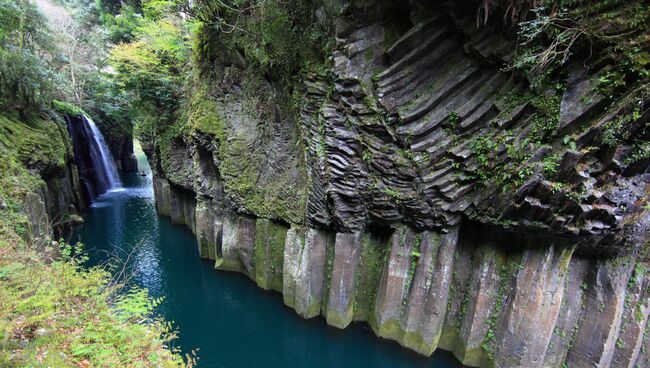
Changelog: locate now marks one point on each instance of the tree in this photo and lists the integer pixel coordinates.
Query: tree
(26, 81)
(151, 67)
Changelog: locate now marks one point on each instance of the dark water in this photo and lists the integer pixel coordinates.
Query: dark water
(224, 315)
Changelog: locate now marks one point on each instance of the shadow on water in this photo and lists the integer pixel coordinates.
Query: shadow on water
(224, 315)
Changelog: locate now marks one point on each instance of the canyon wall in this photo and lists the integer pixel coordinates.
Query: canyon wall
(410, 181)
(52, 164)
(38, 158)
(491, 297)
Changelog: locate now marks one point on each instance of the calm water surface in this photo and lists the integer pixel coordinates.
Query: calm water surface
(225, 316)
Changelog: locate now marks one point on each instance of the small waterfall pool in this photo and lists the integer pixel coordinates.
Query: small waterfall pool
(225, 316)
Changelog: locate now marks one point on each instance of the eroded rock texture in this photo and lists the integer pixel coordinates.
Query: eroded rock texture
(487, 296)
(419, 187)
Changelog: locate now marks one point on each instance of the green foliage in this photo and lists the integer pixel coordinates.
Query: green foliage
(55, 312)
(453, 118)
(546, 118)
(394, 194)
(367, 156)
(503, 288)
(122, 27)
(59, 314)
(551, 164)
(640, 151)
(151, 69)
(277, 38)
(616, 131)
(25, 77)
(555, 30)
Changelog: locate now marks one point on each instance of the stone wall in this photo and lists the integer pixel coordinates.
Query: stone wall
(490, 297)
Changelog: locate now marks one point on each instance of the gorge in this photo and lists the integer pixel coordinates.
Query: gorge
(467, 180)
(223, 316)
(421, 189)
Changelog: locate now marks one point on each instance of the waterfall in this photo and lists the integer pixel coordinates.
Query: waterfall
(102, 160)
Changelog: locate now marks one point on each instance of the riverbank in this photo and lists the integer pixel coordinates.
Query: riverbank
(52, 311)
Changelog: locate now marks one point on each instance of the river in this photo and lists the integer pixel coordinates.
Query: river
(224, 316)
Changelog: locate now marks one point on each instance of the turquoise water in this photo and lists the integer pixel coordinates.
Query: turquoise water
(225, 316)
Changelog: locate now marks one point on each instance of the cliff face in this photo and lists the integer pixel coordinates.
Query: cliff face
(50, 160)
(38, 159)
(415, 185)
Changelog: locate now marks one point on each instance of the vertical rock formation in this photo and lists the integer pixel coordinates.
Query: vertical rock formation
(469, 289)
(38, 158)
(418, 186)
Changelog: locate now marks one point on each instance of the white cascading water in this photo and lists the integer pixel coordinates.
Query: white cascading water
(102, 159)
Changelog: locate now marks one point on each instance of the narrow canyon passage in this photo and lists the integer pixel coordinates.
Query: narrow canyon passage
(325, 183)
(225, 316)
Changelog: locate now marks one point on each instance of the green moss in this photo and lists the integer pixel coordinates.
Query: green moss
(451, 340)
(67, 108)
(36, 144)
(373, 260)
(203, 114)
(390, 329)
(269, 254)
(337, 320)
(312, 310)
(241, 163)
(226, 264)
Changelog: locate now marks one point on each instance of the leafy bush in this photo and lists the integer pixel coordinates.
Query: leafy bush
(151, 68)
(59, 314)
(276, 38)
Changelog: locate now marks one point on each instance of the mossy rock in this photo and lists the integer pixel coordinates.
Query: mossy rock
(67, 108)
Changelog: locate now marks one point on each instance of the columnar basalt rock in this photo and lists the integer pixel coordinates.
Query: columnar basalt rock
(294, 244)
(628, 346)
(417, 185)
(270, 240)
(527, 306)
(238, 245)
(162, 193)
(599, 325)
(310, 279)
(395, 283)
(532, 313)
(345, 274)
